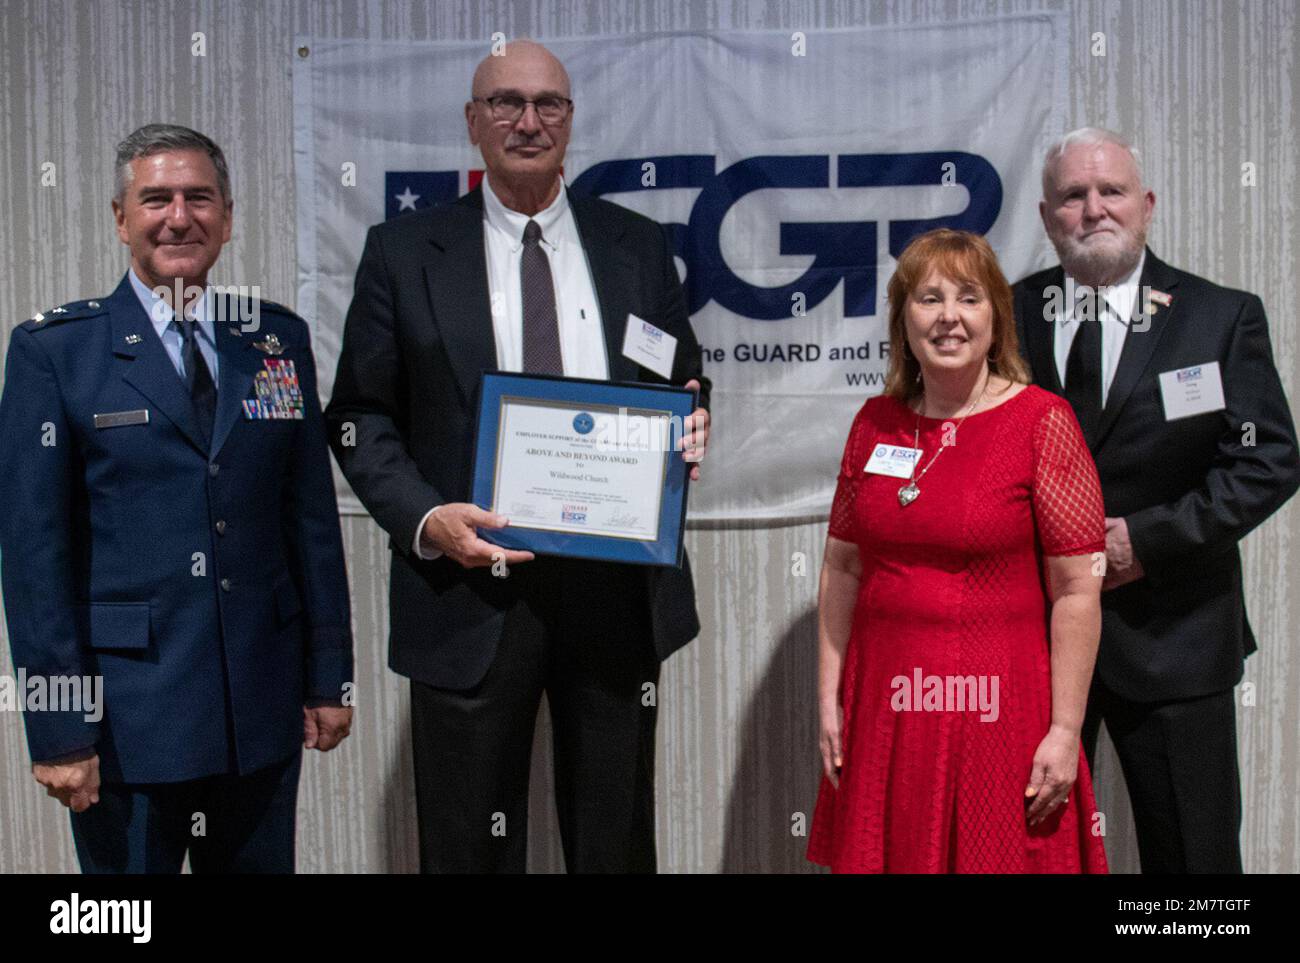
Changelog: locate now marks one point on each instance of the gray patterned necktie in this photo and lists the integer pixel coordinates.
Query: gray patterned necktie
(541, 329)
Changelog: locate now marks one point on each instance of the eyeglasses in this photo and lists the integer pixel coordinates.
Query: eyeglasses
(508, 108)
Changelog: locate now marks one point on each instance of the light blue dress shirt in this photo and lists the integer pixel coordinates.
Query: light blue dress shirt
(169, 332)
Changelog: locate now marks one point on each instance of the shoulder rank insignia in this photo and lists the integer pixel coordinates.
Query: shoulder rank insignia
(271, 345)
(71, 311)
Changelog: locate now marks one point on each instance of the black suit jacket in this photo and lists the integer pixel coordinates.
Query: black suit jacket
(418, 337)
(1189, 489)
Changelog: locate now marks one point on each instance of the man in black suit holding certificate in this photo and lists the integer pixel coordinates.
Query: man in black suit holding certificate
(1173, 382)
(517, 275)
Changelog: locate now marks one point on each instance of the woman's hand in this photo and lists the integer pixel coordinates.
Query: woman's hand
(832, 721)
(836, 597)
(1056, 765)
(1074, 586)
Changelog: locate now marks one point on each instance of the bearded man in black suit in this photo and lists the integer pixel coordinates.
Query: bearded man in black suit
(1173, 382)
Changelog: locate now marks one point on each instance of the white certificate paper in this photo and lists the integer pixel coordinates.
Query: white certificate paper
(592, 471)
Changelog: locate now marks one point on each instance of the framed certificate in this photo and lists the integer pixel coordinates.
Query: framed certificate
(589, 469)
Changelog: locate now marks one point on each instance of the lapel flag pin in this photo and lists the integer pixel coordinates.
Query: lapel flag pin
(1159, 297)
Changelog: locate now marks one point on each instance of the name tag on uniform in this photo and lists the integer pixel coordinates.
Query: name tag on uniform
(1191, 391)
(893, 460)
(649, 346)
(276, 393)
(116, 419)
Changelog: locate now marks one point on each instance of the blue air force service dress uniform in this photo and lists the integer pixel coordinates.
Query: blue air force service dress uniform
(191, 558)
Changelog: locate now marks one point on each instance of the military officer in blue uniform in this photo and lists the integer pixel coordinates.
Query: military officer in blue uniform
(169, 527)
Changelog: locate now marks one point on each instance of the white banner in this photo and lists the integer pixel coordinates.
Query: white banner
(792, 168)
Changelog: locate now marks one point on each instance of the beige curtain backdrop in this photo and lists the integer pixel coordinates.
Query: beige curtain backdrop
(1202, 87)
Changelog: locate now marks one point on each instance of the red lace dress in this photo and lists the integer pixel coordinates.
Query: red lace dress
(953, 586)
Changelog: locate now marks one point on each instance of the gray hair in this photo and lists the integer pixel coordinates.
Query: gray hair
(1088, 137)
(159, 138)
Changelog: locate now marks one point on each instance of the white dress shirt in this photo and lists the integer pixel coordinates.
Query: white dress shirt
(582, 336)
(164, 323)
(1120, 300)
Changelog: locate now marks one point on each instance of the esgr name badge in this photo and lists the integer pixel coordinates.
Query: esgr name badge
(897, 461)
(1195, 390)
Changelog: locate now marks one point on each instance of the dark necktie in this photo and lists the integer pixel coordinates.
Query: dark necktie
(1083, 367)
(541, 329)
(198, 379)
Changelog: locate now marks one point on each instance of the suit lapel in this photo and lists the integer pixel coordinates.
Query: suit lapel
(1040, 333)
(455, 277)
(239, 364)
(151, 371)
(613, 273)
(1139, 345)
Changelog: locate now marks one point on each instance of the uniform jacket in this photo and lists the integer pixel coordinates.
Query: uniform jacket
(205, 585)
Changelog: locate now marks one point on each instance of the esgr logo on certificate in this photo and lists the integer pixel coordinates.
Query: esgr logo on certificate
(575, 514)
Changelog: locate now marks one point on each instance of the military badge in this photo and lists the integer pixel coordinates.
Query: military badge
(271, 345)
(276, 393)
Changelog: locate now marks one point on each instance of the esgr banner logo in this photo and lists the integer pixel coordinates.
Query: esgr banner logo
(788, 183)
(841, 250)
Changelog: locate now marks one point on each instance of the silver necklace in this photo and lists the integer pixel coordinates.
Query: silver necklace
(910, 492)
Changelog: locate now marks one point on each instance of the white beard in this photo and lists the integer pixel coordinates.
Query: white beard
(1103, 260)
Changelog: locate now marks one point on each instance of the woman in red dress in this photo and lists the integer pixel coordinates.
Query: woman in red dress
(959, 608)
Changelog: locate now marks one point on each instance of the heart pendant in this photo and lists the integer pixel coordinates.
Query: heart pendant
(907, 494)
